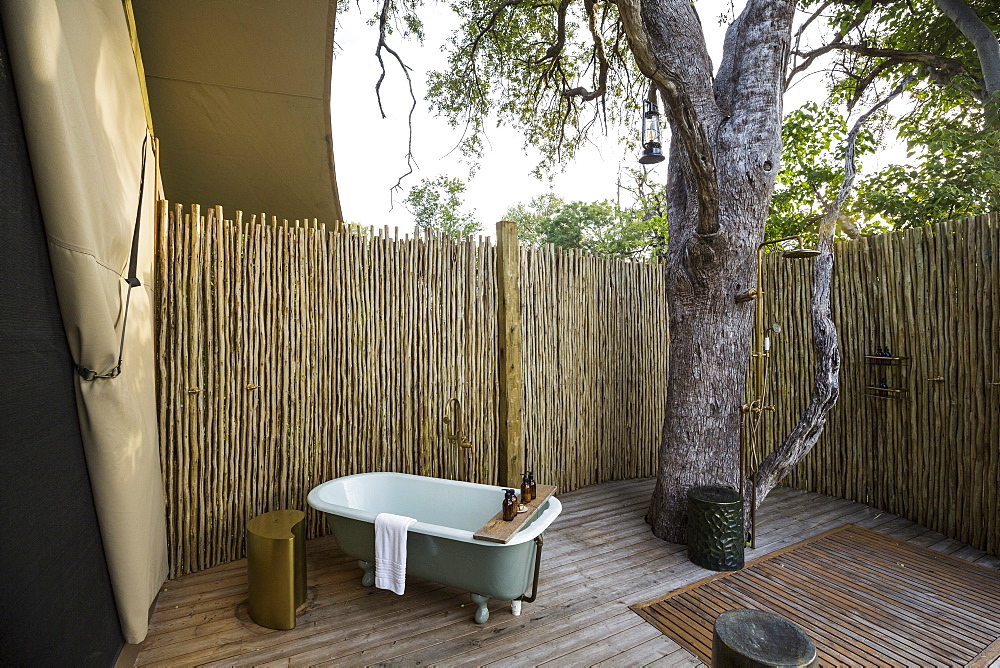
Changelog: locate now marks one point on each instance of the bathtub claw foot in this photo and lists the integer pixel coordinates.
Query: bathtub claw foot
(515, 607)
(368, 579)
(482, 612)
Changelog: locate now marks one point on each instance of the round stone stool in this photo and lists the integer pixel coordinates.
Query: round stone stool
(756, 639)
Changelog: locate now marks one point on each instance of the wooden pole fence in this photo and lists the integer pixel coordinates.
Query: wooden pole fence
(293, 352)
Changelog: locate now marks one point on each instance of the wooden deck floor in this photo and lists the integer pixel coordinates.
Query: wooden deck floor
(866, 599)
(599, 559)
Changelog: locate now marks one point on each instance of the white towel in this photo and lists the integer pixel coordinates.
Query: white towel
(390, 551)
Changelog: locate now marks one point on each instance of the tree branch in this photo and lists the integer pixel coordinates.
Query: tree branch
(382, 27)
(687, 108)
(554, 52)
(826, 386)
(602, 59)
(805, 24)
(923, 57)
(811, 56)
(867, 81)
(491, 20)
(987, 48)
(945, 68)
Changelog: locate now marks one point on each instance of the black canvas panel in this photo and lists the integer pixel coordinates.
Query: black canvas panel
(56, 604)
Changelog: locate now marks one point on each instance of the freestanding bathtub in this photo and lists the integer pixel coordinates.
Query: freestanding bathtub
(439, 545)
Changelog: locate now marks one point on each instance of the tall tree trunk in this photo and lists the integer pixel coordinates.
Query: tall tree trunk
(724, 153)
(709, 349)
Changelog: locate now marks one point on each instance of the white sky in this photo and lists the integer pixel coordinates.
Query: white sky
(370, 151)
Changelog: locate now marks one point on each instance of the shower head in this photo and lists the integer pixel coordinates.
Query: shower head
(797, 253)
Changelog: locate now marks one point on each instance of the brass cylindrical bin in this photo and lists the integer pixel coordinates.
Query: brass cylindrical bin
(715, 528)
(276, 567)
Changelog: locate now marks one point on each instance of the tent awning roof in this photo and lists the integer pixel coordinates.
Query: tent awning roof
(240, 100)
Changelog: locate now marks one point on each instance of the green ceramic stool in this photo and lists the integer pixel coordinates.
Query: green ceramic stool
(715, 528)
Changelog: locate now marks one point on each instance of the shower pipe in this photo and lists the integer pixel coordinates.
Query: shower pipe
(754, 410)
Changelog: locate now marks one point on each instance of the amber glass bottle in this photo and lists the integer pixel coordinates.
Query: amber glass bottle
(526, 496)
(509, 505)
(534, 487)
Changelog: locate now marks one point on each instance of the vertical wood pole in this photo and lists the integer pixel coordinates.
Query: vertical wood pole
(510, 454)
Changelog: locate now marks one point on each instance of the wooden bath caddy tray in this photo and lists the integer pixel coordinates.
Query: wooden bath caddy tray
(499, 531)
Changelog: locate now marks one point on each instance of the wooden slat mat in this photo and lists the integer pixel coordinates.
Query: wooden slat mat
(863, 597)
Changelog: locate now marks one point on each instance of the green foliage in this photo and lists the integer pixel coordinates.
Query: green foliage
(954, 171)
(953, 163)
(509, 62)
(513, 62)
(598, 228)
(532, 219)
(436, 204)
(911, 26)
(812, 168)
(650, 203)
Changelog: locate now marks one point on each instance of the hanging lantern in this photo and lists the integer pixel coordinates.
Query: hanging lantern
(651, 153)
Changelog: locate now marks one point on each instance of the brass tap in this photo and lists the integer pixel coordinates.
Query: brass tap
(455, 432)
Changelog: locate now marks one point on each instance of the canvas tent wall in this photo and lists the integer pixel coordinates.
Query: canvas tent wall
(240, 99)
(84, 119)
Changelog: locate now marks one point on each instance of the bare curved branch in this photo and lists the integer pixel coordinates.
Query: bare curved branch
(850, 163)
(602, 59)
(383, 22)
(826, 387)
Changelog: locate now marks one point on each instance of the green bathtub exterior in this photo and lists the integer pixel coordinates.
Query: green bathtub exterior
(439, 546)
(503, 574)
